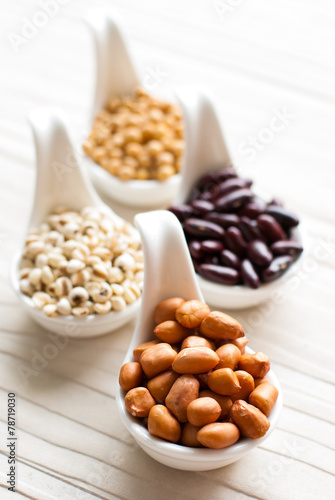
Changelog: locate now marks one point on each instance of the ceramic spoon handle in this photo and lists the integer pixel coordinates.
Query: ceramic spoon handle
(205, 145)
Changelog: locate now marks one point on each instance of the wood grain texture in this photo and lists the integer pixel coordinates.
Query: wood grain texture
(258, 58)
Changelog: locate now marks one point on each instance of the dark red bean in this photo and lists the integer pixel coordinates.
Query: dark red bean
(259, 253)
(182, 212)
(228, 258)
(229, 186)
(219, 274)
(256, 207)
(216, 177)
(277, 202)
(285, 218)
(196, 264)
(233, 201)
(270, 227)
(212, 259)
(249, 275)
(195, 194)
(277, 267)
(286, 247)
(211, 246)
(203, 228)
(234, 241)
(201, 207)
(250, 230)
(195, 249)
(223, 220)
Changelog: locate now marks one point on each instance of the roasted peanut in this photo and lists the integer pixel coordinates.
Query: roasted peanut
(138, 402)
(259, 381)
(224, 401)
(218, 435)
(137, 352)
(189, 435)
(224, 382)
(203, 411)
(195, 360)
(264, 397)
(257, 364)
(130, 375)
(229, 356)
(166, 310)
(163, 424)
(157, 359)
(184, 390)
(160, 385)
(197, 341)
(171, 332)
(241, 342)
(247, 384)
(218, 325)
(191, 313)
(249, 419)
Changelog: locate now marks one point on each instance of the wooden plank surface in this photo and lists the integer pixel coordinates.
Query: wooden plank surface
(258, 58)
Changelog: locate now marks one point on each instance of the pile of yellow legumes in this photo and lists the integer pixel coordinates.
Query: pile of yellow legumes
(137, 137)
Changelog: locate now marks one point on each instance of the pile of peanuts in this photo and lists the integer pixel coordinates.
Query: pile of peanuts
(194, 384)
(234, 236)
(82, 263)
(137, 137)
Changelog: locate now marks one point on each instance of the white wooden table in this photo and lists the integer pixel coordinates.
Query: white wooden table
(260, 58)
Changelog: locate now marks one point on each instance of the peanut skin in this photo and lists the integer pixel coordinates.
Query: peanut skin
(189, 435)
(218, 435)
(163, 424)
(249, 419)
(197, 341)
(203, 411)
(137, 352)
(171, 332)
(264, 397)
(257, 364)
(160, 385)
(157, 359)
(195, 360)
(184, 390)
(131, 375)
(138, 402)
(241, 342)
(191, 313)
(229, 356)
(224, 401)
(218, 325)
(166, 310)
(247, 384)
(224, 382)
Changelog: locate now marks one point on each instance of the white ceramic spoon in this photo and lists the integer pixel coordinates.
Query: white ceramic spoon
(61, 181)
(169, 273)
(206, 150)
(116, 76)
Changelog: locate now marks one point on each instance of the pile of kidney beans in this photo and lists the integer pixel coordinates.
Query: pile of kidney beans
(234, 236)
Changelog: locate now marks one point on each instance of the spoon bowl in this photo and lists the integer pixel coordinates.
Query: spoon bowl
(61, 181)
(207, 151)
(169, 273)
(116, 76)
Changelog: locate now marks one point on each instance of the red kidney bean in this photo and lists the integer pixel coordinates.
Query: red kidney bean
(277, 267)
(195, 249)
(234, 241)
(194, 195)
(223, 220)
(215, 177)
(286, 247)
(204, 228)
(270, 227)
(182, 212)
(219, 274)
(201, 207)
(249, 229)
(228, 258)
(229, 186)
(249, 275)
(211, 246)
(259, 253)
(233, 201)
(256, 207)
(211, 259)
(282, 216)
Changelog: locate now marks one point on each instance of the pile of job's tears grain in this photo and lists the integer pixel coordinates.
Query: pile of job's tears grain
(137, 137)
(82, 263)
(194, 384)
